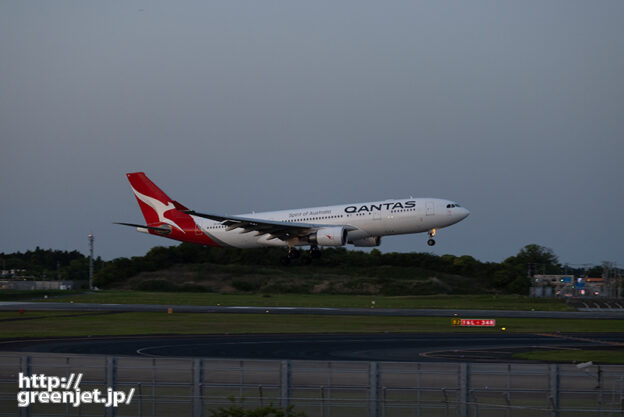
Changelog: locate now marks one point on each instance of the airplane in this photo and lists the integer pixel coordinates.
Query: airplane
(359, 224)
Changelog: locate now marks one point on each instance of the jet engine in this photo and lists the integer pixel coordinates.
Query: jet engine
(329, 236)
(367, 241)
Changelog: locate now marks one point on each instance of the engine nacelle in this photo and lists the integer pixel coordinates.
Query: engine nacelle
(329, 236)
(367, 241)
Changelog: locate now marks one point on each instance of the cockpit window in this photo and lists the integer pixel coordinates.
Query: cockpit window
(452, 205)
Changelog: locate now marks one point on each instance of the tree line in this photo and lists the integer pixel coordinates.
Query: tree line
(509, 276)
(47, 264)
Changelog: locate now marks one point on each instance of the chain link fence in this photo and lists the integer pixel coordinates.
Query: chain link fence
(193, 387)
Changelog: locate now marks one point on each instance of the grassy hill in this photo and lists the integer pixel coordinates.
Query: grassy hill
(385, 280)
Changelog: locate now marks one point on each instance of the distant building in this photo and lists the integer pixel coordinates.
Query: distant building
(12, 272)
(15, 284)
(595, 286)
(566, 286)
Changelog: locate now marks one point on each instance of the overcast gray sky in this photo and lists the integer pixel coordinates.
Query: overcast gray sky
(514, 109)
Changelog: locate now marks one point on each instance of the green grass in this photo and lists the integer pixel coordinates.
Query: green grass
(56, 324)
(489, 302)
(614, 356)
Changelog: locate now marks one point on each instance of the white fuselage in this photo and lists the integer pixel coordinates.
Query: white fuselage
(380, 218)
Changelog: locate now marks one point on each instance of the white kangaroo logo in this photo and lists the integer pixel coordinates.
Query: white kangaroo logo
(159, 208)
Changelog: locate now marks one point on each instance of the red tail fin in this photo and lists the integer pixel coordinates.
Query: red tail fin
(152, 200)
(161, 212)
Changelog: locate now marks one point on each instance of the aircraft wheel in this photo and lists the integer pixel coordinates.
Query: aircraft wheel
(285, 260)
(315, 252)
(431, 242)
(293, 253)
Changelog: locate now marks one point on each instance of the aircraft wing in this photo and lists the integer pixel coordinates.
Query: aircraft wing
(277, 229)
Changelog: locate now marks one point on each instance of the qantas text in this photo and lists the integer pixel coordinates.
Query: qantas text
(378, 207)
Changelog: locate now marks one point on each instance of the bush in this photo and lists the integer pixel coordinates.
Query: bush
(156, 285)
(269, 411)
(246, 285)
(165, 286)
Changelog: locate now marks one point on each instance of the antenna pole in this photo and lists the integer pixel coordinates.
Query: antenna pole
(90, 261)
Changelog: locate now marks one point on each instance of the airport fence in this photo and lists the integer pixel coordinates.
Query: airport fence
(195, 387)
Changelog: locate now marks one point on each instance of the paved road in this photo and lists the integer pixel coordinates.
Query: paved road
(600, 304)
(51, 306)
(365, 347)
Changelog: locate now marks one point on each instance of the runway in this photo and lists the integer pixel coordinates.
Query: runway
(52, 306)
(324, 347)
(474, 347)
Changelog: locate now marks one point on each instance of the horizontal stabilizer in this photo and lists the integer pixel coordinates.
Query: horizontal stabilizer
(179, 206)
(157, 229)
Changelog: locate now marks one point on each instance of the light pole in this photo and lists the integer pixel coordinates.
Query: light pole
(91, 261)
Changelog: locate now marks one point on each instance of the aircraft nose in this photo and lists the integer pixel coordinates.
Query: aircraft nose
(464, 213)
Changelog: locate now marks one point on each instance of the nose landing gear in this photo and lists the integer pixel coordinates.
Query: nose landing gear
(431, 241)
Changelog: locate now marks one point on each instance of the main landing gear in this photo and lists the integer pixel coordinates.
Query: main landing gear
(315, 252)
(431, 241)
(294, 253)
